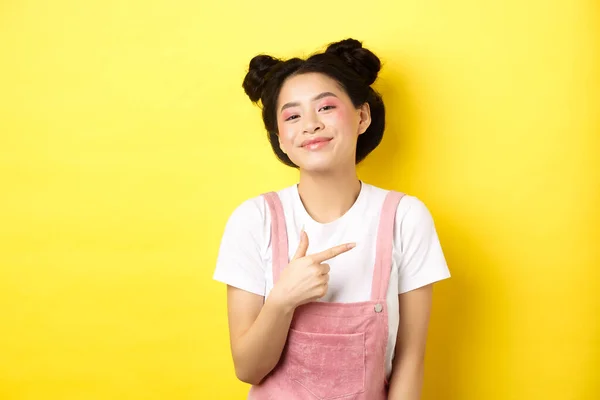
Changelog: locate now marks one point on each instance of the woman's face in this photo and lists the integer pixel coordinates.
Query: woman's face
(318, 124)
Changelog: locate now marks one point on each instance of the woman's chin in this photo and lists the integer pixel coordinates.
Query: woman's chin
(319, 166)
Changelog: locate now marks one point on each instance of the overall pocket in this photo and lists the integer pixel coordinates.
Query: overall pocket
(327, 365)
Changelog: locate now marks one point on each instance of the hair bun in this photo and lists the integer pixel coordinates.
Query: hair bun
(362, 60)
(255, 79)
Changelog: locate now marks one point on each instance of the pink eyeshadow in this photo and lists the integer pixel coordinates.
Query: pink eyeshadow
(286, 114)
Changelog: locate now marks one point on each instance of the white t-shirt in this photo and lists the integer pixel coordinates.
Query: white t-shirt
(245, 254)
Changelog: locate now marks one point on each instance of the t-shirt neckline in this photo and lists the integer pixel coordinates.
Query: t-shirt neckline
(347, 215)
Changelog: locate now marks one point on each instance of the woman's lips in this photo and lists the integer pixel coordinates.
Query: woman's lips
(316, 143)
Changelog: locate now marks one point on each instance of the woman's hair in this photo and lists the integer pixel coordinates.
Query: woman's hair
(354, 67)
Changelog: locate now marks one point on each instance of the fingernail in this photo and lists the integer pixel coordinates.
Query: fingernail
(351, 245)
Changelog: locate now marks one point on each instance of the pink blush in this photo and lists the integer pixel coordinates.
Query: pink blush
(287, 135)
(338, 115)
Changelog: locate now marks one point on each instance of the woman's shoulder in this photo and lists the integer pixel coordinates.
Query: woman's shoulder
(410, 206)
(380, 193)
(254, 209)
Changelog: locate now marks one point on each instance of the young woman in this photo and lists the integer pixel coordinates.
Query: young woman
(328, 281)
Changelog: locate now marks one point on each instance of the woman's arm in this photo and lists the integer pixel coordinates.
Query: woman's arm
(258, 333)
(407, 370)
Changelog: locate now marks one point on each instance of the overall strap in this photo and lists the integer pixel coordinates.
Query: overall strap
(385, 242)
(279, 240)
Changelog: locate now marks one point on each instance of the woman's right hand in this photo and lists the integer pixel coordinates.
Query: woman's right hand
(306, 278)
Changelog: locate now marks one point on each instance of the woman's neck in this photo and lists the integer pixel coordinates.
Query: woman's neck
(326, 197)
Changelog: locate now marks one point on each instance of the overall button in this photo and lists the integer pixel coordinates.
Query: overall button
(378, 308)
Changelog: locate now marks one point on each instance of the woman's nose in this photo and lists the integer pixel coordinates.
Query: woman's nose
(312, 124)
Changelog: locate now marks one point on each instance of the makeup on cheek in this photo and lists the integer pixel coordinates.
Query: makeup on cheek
(332, 109)
(286, 134)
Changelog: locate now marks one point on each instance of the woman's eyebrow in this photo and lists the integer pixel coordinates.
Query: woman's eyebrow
(317, 97)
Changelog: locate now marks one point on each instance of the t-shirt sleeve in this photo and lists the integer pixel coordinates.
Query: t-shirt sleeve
(417, 250)
(240, 259)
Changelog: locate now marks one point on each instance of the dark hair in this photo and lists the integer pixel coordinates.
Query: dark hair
(354, 67)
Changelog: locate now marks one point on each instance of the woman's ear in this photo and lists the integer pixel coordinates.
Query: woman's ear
(364, 113)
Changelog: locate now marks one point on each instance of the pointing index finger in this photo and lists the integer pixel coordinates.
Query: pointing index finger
(331, 252)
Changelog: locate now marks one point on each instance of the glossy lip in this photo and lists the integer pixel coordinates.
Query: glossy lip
(315, 140)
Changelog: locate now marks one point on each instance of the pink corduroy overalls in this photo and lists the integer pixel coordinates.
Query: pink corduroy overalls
(333, 350)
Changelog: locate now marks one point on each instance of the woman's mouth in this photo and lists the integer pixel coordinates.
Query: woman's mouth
(316, 143)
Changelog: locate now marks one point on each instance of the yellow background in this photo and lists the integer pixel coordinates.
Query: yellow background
(126, 141)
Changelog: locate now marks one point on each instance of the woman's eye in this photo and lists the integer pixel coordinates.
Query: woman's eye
(327, 108)
(291, 117)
